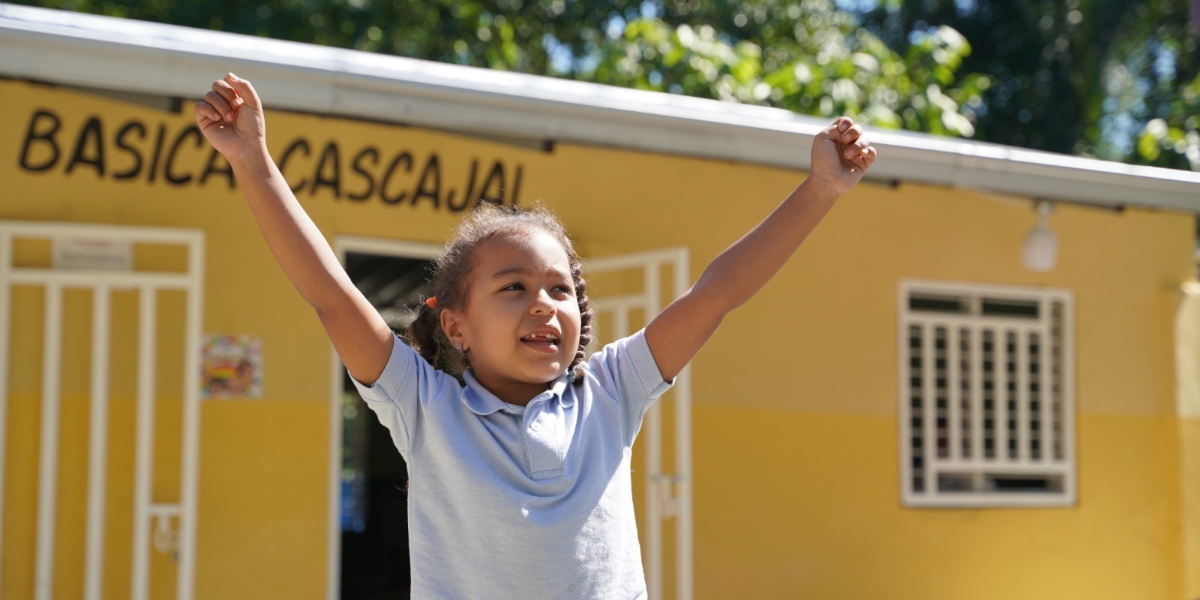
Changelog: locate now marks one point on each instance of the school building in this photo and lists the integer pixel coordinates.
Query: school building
(909, 410)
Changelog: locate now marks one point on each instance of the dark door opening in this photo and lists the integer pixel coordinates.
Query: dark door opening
(374, 505)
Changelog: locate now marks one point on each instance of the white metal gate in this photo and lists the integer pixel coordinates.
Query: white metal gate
(668, 495)
(101, 284)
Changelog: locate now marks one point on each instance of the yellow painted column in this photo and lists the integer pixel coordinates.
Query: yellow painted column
(1187, 408)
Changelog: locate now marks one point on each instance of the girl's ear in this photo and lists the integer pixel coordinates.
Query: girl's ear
(453, 326)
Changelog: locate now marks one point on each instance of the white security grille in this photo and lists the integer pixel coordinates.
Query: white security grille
(170, 526)
(986, 395)
(668, 492)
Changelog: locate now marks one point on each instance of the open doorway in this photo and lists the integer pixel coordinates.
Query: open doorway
(371, 527)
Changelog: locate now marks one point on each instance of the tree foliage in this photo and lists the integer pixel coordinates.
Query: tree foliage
(1116, 79)
(1106, 78)
(807, 57)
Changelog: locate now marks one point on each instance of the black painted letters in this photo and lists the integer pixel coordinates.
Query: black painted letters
(141, 149)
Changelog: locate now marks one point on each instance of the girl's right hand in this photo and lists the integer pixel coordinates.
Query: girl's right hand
(231, 118)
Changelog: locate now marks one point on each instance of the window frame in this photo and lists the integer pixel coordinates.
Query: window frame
(974, 467)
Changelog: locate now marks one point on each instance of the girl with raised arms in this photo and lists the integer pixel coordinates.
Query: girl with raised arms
(520, 481)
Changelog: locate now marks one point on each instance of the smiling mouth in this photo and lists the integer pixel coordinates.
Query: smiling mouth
(545, 342)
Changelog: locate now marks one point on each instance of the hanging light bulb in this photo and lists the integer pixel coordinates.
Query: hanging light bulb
(1041, 244)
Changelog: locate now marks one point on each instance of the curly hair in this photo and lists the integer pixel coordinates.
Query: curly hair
(450, 272)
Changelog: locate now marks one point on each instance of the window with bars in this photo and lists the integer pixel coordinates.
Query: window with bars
(986, 395)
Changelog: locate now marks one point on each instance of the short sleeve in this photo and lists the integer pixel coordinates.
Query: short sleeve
(399, 395)
(627, 371)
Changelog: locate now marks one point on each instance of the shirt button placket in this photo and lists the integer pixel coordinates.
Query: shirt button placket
(543, 449)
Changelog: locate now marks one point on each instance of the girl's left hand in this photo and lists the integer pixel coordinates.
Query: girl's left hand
(841, 154)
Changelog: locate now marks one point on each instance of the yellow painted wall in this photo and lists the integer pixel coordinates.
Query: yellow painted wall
(796, 457)
(1187, 409)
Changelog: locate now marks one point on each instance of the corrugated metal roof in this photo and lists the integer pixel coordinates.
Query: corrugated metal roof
(150, 58)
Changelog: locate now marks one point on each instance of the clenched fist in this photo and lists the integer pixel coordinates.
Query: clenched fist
(231, 118)
(841, 154)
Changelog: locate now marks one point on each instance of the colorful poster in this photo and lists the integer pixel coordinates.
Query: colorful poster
(231, 367)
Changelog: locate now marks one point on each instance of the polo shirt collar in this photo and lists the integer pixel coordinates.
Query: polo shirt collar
(482, 402)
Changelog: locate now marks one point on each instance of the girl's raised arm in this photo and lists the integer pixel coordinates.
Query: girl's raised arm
(231, 118)
(840, 156)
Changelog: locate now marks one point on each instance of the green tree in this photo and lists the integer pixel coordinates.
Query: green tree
(1114, 79)
(805, 56)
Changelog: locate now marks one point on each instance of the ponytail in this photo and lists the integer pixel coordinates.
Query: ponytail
(585, 319)
(424, 332)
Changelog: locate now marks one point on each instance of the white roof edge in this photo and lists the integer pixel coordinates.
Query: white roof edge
(151, 58)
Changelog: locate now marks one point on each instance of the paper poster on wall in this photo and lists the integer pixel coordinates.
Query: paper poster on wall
(231, 367)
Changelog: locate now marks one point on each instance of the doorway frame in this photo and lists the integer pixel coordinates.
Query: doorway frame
(343, 245)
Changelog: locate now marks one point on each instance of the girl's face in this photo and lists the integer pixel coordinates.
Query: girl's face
(520, 326)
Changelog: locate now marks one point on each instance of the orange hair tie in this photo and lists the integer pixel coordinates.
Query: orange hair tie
(431, 302)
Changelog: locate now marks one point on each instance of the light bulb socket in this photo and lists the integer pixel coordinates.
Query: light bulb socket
(1040, 252)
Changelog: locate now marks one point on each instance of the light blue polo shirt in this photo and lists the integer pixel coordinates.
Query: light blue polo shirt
(530, 502)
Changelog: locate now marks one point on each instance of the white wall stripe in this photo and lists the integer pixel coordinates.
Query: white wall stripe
(144, 457)
(98, 442)
(5, 302)
(48, 472)
(186, 582)
(655, 496)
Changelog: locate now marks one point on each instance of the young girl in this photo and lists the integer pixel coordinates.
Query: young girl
(520, 479)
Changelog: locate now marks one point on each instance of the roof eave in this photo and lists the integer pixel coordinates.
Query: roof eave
(104, 52)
